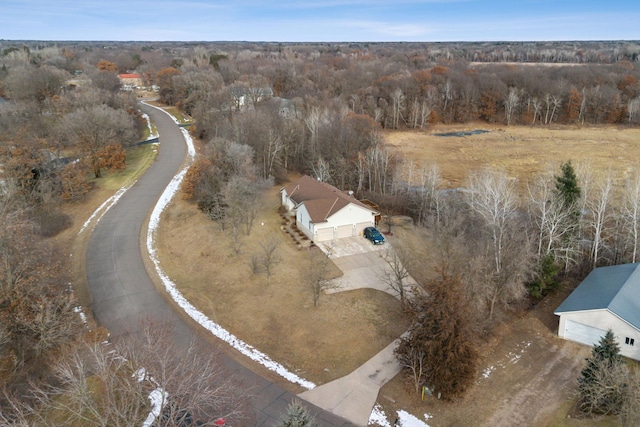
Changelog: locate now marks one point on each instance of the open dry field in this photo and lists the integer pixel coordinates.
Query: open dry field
(527, 374)
(521, 151)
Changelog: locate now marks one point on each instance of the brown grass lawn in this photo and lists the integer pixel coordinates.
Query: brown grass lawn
(320, 344)
(521, 151)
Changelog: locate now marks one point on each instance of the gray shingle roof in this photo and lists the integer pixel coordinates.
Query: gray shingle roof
(615, 288)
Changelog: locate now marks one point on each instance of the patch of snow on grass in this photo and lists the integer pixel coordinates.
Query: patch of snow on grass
(514, 357)
(405, 419)
(152, 134)
(103, 208)
(158, 397)
(487, 372)
(191, 149)
(83, 317)
(192, 311)
(378, 417)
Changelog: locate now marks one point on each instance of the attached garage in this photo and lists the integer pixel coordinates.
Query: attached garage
(360, 228)
(607, 299)
(584, 334)
(344, 231)
(323, 234)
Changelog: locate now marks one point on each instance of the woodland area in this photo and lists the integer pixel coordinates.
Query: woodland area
(265, 111)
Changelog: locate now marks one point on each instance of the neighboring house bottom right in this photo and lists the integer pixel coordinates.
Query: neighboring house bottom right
(608, 298)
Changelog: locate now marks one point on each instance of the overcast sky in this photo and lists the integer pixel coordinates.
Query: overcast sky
(320, 20)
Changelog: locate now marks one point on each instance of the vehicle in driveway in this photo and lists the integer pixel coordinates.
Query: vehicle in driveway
(374, 235)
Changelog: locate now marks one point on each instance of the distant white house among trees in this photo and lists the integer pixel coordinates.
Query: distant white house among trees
(324, 212)
(608, 298)
(130, 81)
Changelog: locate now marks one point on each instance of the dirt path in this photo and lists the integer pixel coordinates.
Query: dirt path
(526, 375)
(531, 374)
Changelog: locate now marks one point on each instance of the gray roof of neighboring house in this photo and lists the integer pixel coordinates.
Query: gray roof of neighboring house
(615, 288)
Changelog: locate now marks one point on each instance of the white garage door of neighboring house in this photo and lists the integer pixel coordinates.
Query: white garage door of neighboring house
(344, 231)
(582, 333)
(323, 235)
(360, 227)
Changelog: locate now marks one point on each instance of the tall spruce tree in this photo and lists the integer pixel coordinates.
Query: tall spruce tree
(567, 185)
(602, 383)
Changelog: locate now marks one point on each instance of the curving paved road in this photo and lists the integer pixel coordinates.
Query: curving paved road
(122, 292)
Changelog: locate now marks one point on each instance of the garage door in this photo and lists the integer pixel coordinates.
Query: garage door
(324, 234)
(582, 333)
(360, 227)
(344, 231)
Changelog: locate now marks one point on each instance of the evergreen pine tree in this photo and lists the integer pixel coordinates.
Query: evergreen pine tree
(567, 185)
(546, 278)
(297, 416)
(601, 387)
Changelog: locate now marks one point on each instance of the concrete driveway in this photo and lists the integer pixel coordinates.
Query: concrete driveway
(354, 396)
(362, 263)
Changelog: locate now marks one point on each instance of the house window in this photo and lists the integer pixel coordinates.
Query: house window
(629, 341)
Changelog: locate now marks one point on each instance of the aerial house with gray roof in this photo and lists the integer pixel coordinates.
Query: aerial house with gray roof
(608, 298)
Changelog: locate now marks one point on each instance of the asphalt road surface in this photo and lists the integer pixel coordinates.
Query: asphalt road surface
(122, 293)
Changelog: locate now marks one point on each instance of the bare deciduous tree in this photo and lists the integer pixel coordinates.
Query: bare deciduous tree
(314, 120)
(241, 196)
(394, 273)
(413, 360)
(122, 384)
(94, 128)
(631, 210)
(502, 262)
(511, 104)
(492, 195)
(554, 222)
(397, 106)
(318, 277)
(599, 211)
(269, 256)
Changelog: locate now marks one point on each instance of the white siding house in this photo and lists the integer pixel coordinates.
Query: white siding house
(324, 212)
(609, 298)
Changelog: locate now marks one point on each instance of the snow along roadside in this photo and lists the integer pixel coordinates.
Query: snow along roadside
(177, 296)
